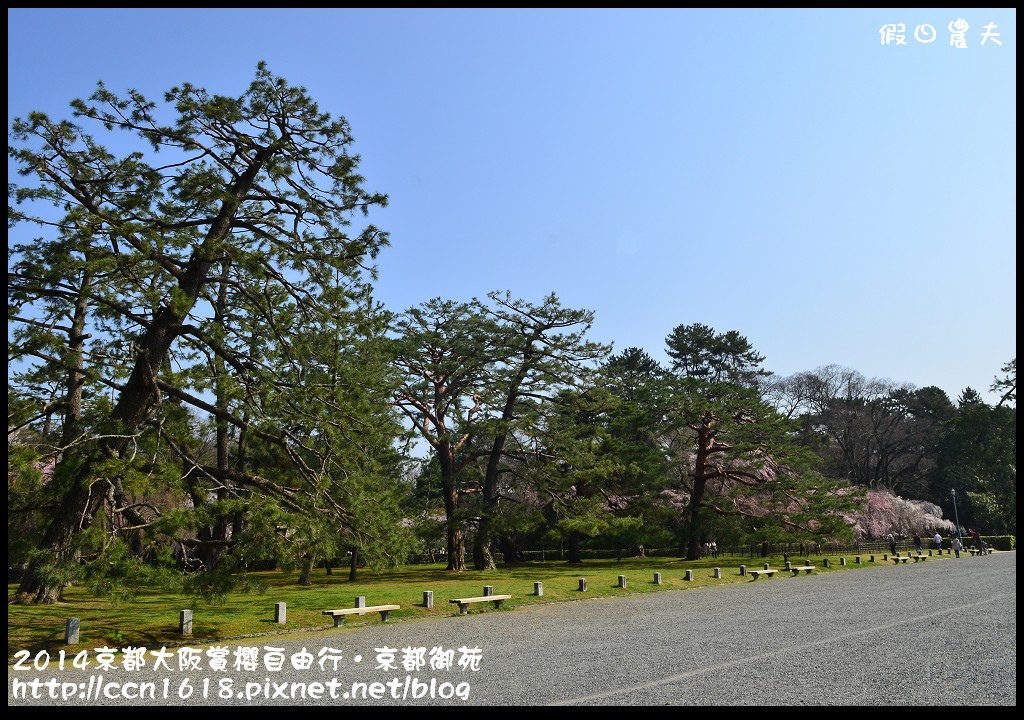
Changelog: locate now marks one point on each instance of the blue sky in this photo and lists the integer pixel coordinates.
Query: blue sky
(781, 173)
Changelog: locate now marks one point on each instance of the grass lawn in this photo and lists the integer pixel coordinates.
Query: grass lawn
(152, 618)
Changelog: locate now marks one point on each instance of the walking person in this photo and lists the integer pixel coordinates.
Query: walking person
(917, 544)
(892, 544)
(938, 542)
(957, 547)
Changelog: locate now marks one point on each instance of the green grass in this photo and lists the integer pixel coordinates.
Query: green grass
(152, 618)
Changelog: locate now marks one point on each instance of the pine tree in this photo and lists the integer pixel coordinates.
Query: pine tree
(180, 286)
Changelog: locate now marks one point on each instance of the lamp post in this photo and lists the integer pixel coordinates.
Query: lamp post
(956, 515)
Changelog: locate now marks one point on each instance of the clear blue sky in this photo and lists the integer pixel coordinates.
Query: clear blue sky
(780, 173)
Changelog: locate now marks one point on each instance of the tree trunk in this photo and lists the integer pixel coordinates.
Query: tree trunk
(78, 503)
(306, 576)
(456, 548)
(77, 511)
(353, 565)
(483, 557)
(221, 530)
(456, 541)
(575, 554)
(214, 543)
(705, 448)
(693, 544)
(510, 549)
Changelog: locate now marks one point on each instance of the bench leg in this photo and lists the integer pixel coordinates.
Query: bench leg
(339, 620)
(384, 615)
(497, 604)
(463, 608)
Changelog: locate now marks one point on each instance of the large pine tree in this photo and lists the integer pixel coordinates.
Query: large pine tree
(187, 275)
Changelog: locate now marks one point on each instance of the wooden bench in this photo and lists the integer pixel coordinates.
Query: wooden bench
(464, 603)
(919, 558)
(896, 559)
(339, 615)
(769, 572)
(797, 568)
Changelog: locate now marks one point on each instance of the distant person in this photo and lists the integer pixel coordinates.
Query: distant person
(917, 544)
(892, 543)
(976, 538)
(938, 542)
(955, 544)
